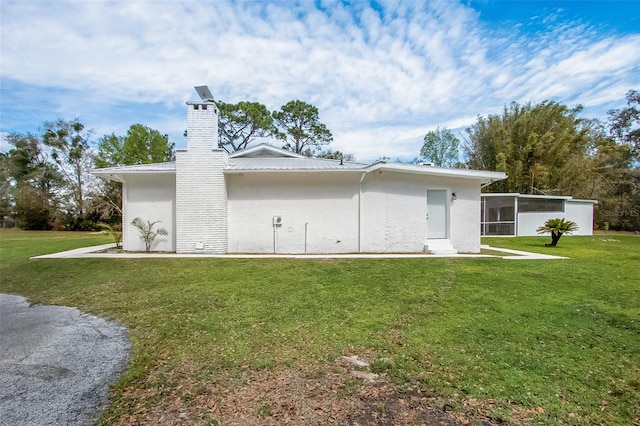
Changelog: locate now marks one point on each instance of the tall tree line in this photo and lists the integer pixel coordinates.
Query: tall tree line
(545, 148)
(45, 181)
(548, 148)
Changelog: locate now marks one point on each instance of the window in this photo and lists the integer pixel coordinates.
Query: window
(498, 216)
(500, 209)
(530, 205)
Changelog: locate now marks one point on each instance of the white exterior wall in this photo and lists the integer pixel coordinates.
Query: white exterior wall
(149, 197)
(464, 228)
(580, 212)
(394, 212)
(392, 209)
(326, 202)
(528, 222)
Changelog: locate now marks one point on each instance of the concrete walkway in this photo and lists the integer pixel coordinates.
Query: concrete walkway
(94, 252)
(521, 255)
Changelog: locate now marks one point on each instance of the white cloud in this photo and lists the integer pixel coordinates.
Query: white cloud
(377, 75)
(4, 143)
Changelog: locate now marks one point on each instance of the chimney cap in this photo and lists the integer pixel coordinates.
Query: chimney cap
(204, 93)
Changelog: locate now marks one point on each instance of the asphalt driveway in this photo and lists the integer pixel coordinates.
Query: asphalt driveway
(56, 363)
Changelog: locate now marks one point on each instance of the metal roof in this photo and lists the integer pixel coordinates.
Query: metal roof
(288, 164)
(544, 197)
(114, 172)
(483, 175)
(239, 164)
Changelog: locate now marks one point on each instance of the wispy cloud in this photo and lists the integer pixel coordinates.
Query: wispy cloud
(378, 74)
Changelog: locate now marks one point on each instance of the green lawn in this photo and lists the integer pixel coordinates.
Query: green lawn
(535, 342)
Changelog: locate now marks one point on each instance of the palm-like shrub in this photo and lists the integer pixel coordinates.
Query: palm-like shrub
(114, 230)
(557, 227)
(146, 231)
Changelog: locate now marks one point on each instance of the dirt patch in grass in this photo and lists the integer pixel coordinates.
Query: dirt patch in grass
(329, 395)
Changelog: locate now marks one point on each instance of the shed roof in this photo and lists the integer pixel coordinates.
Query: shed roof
(544, 197)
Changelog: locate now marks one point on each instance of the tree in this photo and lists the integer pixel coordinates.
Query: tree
(239, 124)
(300, 128)
(106, 201)
(441, 148)
(618, 205)
(557, 227)
(69, 144)
(624, 124)
(109, 151)
(141, 145)
(336, 155)
(544, 148)
(619, 201)
(6, 191)
(613, 182)
(32, 183)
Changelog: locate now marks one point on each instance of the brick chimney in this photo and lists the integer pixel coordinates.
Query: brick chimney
(201, 191)
(202, 125)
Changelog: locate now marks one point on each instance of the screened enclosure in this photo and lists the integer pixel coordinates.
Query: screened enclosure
(520, 214)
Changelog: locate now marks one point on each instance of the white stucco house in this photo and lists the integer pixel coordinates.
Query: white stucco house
(268, 200)
(521, 214)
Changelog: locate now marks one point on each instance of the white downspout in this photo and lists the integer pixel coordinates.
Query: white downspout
(275, 239)
(516, 216)
(125, 216)
(306, 231)
(360, 211)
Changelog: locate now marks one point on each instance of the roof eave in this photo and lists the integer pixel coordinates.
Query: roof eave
(108, 176)
(118, 175)
(239, 171)
(484, 176)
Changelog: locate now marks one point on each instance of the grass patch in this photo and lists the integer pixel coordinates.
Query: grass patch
(495, 252)
(555, 341)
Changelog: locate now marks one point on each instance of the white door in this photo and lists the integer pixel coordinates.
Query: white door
(436, 213)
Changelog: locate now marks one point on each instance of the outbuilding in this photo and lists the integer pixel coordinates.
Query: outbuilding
(521, 214)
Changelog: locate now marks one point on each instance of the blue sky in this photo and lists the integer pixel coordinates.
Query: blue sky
(381, 73)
